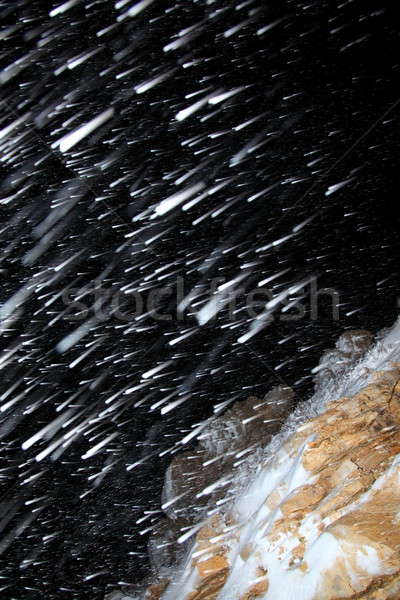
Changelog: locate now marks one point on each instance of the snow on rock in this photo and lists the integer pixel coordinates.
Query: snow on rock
(335, 363)
(248, 424)
(320, 518)
(201, 477)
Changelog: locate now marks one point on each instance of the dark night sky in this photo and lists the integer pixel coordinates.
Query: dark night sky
(323, 82)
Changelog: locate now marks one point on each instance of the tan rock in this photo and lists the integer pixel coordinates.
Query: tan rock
(213, 573)
(330, 524)
(248, 423)
(193, 471)
(259, 588)
(212, 566)
(155, 591)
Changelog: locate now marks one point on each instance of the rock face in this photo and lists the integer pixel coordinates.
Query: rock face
(320, 519)
(199, 478)
(335, 363)
(191, 478)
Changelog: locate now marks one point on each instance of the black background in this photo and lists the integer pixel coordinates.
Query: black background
(323, 80)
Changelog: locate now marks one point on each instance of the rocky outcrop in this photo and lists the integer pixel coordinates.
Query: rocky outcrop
(200, 477)
(320, 518)
(336, 362)
(155, 591)
(321, 521)
(191, 478)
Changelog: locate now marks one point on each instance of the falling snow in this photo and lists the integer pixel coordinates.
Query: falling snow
(179, 183)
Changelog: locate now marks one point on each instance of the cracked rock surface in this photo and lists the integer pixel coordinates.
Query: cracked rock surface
(319, 517)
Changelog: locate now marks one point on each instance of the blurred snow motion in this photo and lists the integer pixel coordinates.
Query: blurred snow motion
(187, 219)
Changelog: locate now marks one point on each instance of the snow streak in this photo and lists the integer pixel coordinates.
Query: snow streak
(168, 203)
